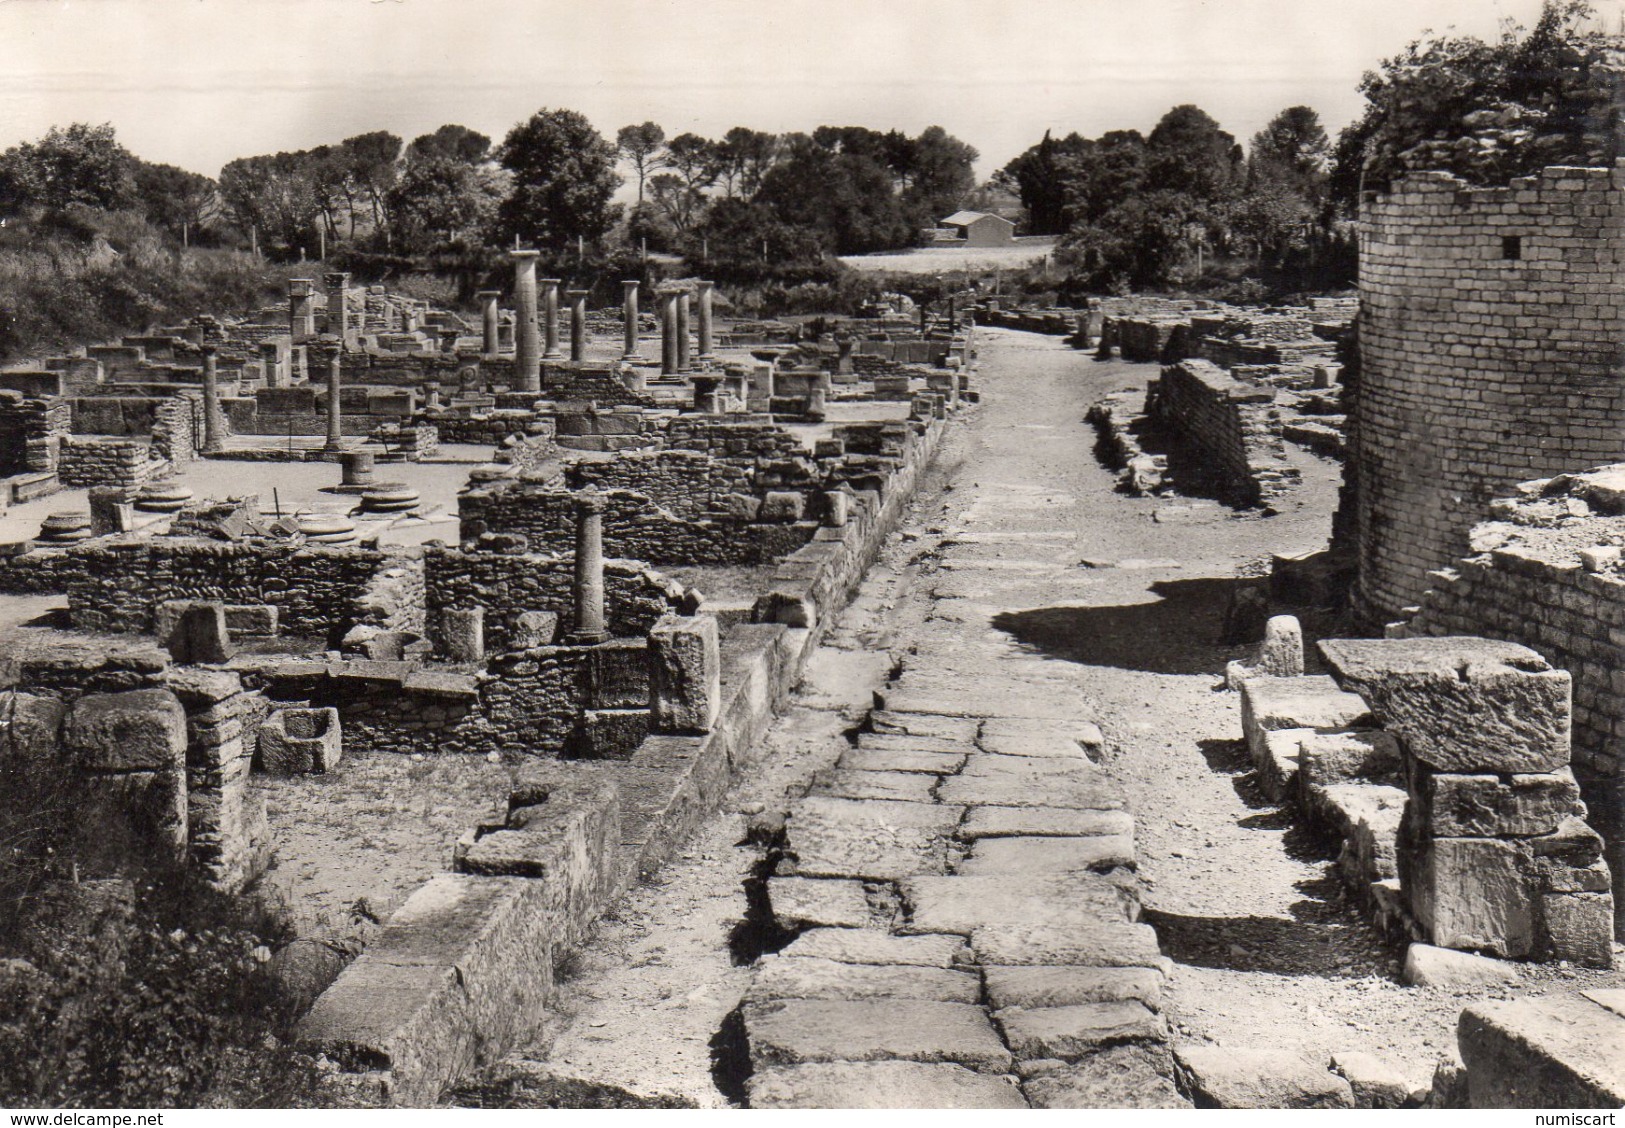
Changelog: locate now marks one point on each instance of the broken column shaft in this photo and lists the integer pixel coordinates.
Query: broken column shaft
(684, 363)
(629, 319)
(214, 424)
(335, 379)
(527, 361)
(490, 321)
(578, 325)
(668, 331)
(589, 587)
(704, 296)
(338, 313)
(550, 318)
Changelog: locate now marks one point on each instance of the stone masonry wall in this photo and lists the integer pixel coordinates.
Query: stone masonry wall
(1226, 432)
(1493, 350)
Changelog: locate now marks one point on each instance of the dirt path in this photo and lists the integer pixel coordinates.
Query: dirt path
(1020, 565)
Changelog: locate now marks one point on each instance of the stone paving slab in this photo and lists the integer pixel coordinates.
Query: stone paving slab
(1087, 943)
(874, 839)
(1001, 822)
(1065, 986)
(907, 786)
(799, 1031)
(1232, 1077)
(1071, 1032)
(1127, 1076)
(1071, 739)
(781, 977)
(801, 901)
(964, 904)
(1016, 702)
(908, 742)
(1020, 791)
(1048, 855)
(882, 1084)
(867, 946)
(955, 728)
(901, 760)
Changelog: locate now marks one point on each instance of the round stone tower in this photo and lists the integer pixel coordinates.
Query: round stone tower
(1492, 350)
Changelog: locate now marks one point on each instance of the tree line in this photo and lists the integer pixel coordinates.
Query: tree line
(550, 182)
(1140, 211)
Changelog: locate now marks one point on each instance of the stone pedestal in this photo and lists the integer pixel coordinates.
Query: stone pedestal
(301, 308)
(590, 625)
(550, 318)
(685, 674)
(356, 467)
(111, 511)
(843, 354)
(629, 320)
(463, 631)
(527, 358)
(338, 306)
(490, 321)
(578, 325)
(271, 364)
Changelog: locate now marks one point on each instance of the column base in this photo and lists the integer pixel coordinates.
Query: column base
(586, 638)
(554, 355)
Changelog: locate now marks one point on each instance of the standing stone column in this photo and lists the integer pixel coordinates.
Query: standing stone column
(578, 325)
(489, 320)
(335, 380)
(550, 317)
(684, 363)
(338, 312)
(527, 362)
(629, 319)
(589, 626)
(704, 296)
(301, 308)
(668, 331)
(214, 424)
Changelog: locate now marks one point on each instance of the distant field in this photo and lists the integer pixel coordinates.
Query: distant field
(933, 260)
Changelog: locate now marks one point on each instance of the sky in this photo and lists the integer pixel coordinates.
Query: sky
(197, 83)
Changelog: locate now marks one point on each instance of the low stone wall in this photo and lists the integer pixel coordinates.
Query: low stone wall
(404, 1024)
(508, 584)
(106, 462)
(1225, 434)
(31, 430)
(116, 583)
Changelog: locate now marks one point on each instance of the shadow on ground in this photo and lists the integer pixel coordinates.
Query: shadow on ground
(1177, 633)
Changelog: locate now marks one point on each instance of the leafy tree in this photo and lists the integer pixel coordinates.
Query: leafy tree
(175, 200)
(676, 201)
(693, 159)
(272, 194)
(1489, 111)
(74, 164)
(439, 200)
(370, 159)
(640, 145)
(450, 142)
(743, 158)
(839, 188)
(563, 178)
(1294, 148)
(941, 173)
(1040, 177)
(1187, 152)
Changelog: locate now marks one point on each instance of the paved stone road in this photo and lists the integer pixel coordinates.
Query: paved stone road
(964, 874)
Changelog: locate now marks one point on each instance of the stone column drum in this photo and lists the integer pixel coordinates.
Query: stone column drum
(590, 626)
(527, 362)
(578, 325)
(550, 318)
(214, 423)
(489, 320)
(629, 319)
(704, 295)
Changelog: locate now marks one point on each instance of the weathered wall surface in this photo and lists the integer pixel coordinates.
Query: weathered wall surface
(1226, 432)
(1493, 351)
